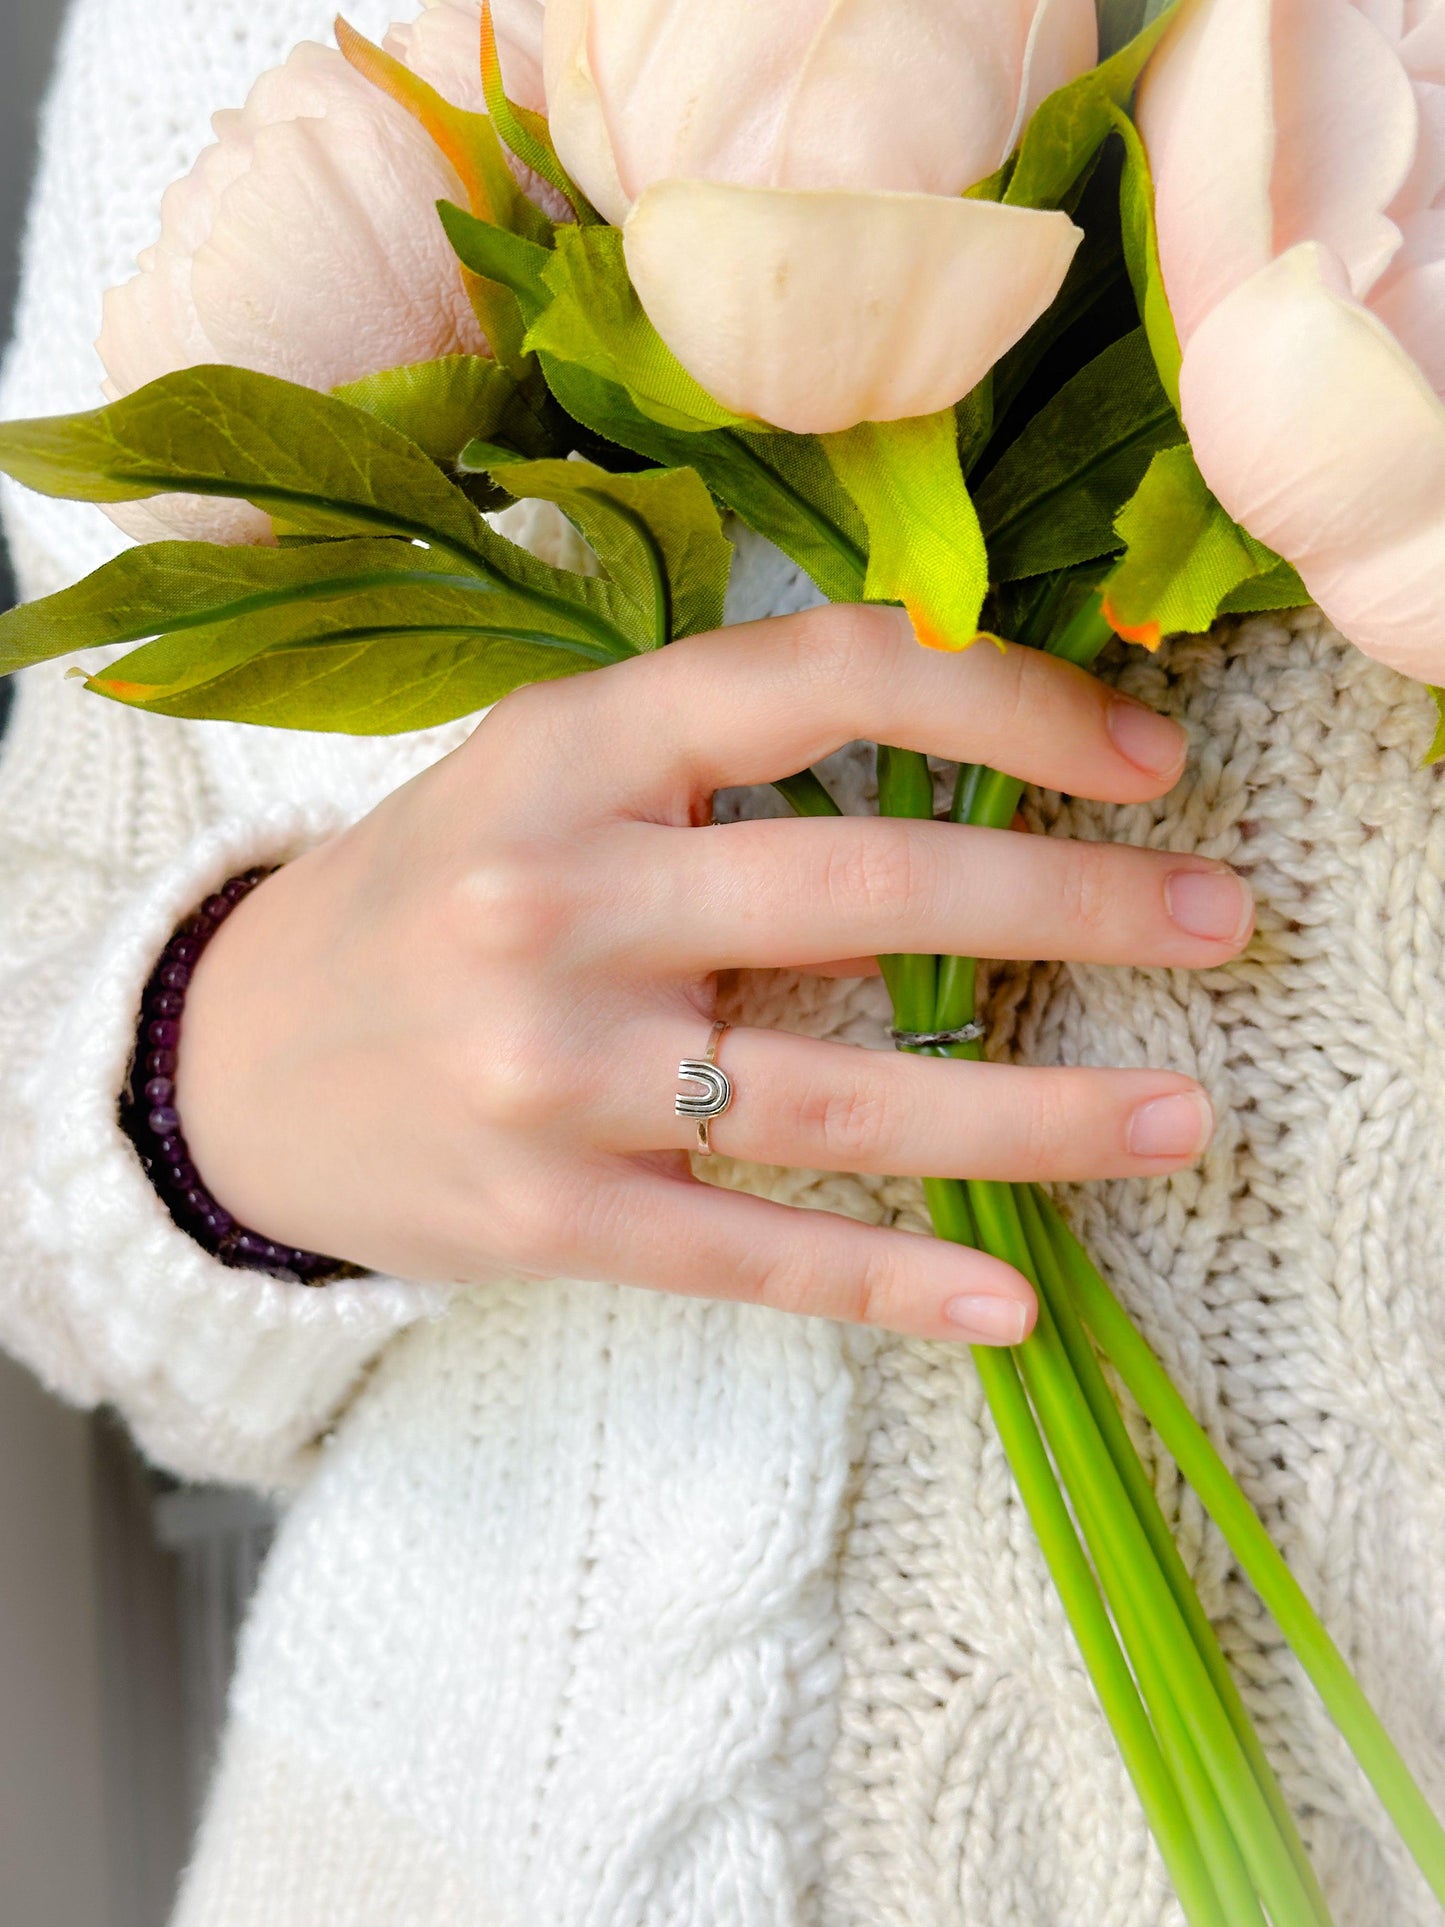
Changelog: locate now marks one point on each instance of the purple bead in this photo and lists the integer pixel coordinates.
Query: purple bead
(160, 1090)
(197, 1200)
(173, 1149)
(183, 1176)
(168, 1003)
(176, 976)
(161, 1063)
(165, 1035)
(183, 950)
(248, 1245)
(218, 1222)
(164, 1120)
(237, 888)
(216, 908)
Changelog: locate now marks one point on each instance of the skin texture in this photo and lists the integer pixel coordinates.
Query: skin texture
(444, 1043)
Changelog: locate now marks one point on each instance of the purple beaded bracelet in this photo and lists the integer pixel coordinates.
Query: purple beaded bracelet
(150, 1119)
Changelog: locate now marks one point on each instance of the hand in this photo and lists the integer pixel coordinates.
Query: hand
(444, 1044)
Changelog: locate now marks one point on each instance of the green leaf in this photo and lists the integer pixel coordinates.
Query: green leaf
(440, 405)
(657, 535)
(1120, 20)
(1053, 498)
(523, 130)
(320, 465)
(780, 485)
(596, 321)
(324, 466)
(1278, 587)
(1072, 123)
(925, 548)
(1437, 745)
(1141, 253)
(1183, 555)
(390, 658)
(168, 587)
(496, 254)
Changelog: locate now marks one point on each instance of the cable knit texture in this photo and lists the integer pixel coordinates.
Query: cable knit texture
(597, 1609)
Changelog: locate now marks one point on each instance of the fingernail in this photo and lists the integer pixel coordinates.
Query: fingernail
(988, 1321)
(1172, 1127)
(1213, 904)
(1149, 741)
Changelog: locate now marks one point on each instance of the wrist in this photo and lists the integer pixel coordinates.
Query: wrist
(161, 1099)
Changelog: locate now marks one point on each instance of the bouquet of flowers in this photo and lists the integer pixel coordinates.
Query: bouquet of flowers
(1034, 318)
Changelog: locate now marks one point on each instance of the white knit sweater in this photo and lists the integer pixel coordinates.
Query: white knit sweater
(595, 1608)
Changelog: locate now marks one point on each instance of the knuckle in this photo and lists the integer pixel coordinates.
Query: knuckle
(783, 1279)
(1015, 692)
(841, 647)
(850, 1123)
(1088, 898)
(513, 1083)
(870, 1294)
(511, 903)
(1045, 1125)
(875, 870)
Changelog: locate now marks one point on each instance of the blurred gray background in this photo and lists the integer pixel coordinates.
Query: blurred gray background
(119, 1594)
(28, 44)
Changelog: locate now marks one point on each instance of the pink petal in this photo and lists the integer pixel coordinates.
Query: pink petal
(911, 97)
(1425, 183)
(444, 45)
(326, 261)
(1063, 42)
(191, 518)
(1412, 307)
(574, 110)
(815, 310)
(900, 95)
(1318, 433)
(1423, 47)
(698, 91)
(1205, 109)
(1345, 128)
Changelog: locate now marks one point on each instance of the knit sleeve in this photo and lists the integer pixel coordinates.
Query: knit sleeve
(108, 837)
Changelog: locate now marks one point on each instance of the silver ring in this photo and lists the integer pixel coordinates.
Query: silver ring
(716, 1091)
(971, 1033)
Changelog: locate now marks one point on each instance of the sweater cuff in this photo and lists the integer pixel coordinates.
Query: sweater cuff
(221, 1372)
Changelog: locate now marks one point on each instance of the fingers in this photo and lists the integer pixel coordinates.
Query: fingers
(757, 701)
(835, 1107)
(773, 893)
(673, 1234)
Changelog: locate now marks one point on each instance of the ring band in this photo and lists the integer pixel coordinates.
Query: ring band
(715, 1092)
(970, 1033)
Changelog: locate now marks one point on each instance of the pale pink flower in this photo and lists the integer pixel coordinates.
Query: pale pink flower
(788, 181)
(304, 243)
(1298, 150)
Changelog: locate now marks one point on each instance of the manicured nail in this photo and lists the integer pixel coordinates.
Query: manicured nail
(1172, 1127)
(988, 1321)
(1214, 904)
(1149, 741)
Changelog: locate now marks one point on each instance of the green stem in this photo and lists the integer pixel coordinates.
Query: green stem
(1176, 1685)
(806, 794)
(1079, 1591)
(1192, 1451)
(1054, 1292)
(905, 789)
